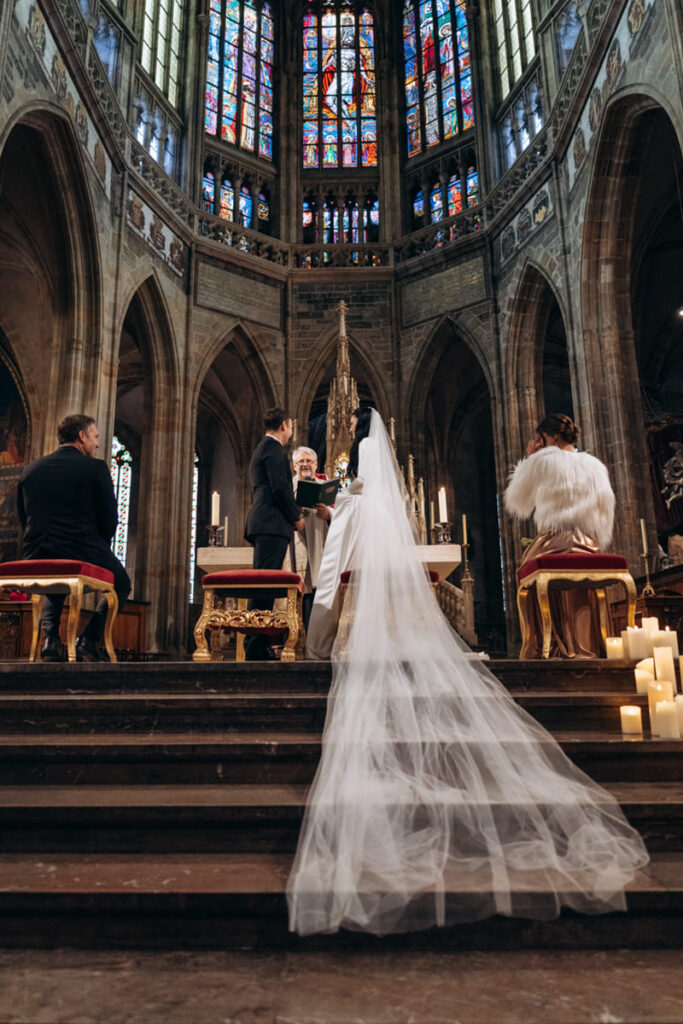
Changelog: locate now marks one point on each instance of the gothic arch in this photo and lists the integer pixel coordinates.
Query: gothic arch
(248, 349)
(41, 140)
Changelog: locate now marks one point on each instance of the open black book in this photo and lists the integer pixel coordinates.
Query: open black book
(310, 493)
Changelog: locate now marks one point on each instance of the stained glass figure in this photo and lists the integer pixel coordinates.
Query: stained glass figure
(121, 474)
(263, 208)
(437, 72)
(209, 192)
(246, 214)
(227, 211)
(418, 204)
(436, 203)
(472, 187)
(193, 523)
(454, 195)
(339, 105)
(310, 222)
(238, 105)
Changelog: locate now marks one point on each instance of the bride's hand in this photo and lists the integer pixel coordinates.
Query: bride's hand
(534, 445)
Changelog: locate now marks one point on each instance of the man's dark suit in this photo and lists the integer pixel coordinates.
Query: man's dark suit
(270, 521)
(67, 508)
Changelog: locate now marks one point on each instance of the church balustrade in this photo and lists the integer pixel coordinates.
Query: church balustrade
(162, 184)
(360, 254)
(242, 239)
(445, 233)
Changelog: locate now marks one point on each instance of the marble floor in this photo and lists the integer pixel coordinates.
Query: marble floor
(606, 987)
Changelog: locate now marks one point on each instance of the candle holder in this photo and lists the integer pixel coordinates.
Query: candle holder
(648, 590)
(442, 533)
(214, 533)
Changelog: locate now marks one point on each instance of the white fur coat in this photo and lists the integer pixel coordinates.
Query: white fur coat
(568, 490)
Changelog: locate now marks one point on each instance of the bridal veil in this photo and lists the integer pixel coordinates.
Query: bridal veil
(437, 798)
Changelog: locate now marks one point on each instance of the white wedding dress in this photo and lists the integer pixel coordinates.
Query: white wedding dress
(437, 798)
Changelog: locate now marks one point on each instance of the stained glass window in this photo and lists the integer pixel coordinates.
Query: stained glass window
(514, 40)
(418, 204)
(351, 221)
(263, 207)
(567, 30)
(121, 474)
(208, 191)
(472, 187)
(227, 210)
(160, 53)
(238, 106)
(246, 207)
(330, 222)
(436, 202)
(454, 195)
(193, 523)
(309, 222)
(438, 75)
(339, 109)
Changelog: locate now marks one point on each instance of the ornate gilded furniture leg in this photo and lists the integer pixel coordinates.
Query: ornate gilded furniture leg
(293, 620)
(202, 648)
(544, 608)
(112, 611)
(239, 637)
(75, 601)
(36, 604)
(631, 595)
(523, 598)
(602, 609)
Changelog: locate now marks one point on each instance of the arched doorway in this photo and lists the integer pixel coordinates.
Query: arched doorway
(14, 444)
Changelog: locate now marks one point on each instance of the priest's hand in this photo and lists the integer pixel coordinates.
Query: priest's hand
(322, 511)
(300, 524)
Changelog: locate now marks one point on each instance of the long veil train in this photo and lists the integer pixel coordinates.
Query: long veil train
(432, 781)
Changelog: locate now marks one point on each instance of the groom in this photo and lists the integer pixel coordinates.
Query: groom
(273, 513)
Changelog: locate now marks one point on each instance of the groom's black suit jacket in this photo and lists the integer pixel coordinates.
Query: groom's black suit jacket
(273, 510)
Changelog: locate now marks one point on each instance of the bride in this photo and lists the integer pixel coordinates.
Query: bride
(437, 798)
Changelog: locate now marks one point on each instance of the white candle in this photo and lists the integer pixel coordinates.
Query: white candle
(614, 646)
(667, 720)
(657, 691)
(464, 528)
(215, 509)
(651, 624)
(443, 511)
(225, 532)
(643, 680)
(643, 532)
(631, 719)
(432, 520)
(647, 665)
(679, 709)
(664, 664)
(671, 639)
(636, 643)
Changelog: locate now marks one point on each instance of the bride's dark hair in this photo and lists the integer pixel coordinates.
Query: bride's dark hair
(363, 414)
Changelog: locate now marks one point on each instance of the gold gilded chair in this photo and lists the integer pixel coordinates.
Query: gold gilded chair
(62, 576)
(242, 584)
(572, 570)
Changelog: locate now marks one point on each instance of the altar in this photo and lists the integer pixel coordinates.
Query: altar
(440, 558)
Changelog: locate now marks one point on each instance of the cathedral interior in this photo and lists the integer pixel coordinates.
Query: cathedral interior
(190, 192)
(493, 189)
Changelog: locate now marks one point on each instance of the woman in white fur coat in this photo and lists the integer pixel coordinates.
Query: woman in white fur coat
(572, 500)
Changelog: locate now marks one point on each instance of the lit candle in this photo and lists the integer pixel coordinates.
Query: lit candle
(614, 646)
(631, 719)
(643, 680)
(643, 532)
(215, 509)
(664, 664)
(679, 709)
(667, 720)
(443, 511)
(225, 532)
(647, 665)
(464, 528)
(651, 624)
(657, 691)
(636, 643)
(671, 640)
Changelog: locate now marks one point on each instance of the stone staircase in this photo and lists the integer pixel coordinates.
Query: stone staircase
(158, 805)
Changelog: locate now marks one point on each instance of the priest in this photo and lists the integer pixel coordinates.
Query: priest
(309, 543)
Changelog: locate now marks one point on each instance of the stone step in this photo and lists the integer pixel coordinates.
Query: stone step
(279, 677)
(237, 901)
(270, 757)
(230, 818)
(297, 712)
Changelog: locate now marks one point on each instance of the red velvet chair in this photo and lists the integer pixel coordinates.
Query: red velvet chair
(62, 576)
(242, 584)
(573, 570)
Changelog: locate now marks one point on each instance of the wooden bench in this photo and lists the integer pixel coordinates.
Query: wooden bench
(243, 584)
(62, 576)
(572, 570)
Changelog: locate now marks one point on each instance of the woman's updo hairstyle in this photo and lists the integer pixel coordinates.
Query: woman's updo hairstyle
(559, 425)
(363, 415)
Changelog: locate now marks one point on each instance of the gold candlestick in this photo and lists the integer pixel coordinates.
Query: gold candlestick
(648, 590)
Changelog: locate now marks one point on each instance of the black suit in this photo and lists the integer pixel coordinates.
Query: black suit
(270, 521)
(67, 508)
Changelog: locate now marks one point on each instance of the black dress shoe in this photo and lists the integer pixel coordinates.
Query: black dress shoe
(87, 650)
(53, 650)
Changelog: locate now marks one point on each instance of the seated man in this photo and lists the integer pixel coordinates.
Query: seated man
(316, 525)
(67, 508)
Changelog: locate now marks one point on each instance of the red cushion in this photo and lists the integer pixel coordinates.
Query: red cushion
(54, 567)
(574, 561)
(250, 577)
(433, 576)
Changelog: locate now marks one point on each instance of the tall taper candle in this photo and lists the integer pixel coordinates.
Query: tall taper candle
(643, 532)
(464, 528)
(443, 511)
(225, 532)
(215, 509)
(432, 520)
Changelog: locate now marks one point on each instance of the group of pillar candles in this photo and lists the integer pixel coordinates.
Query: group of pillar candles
(655, 652)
